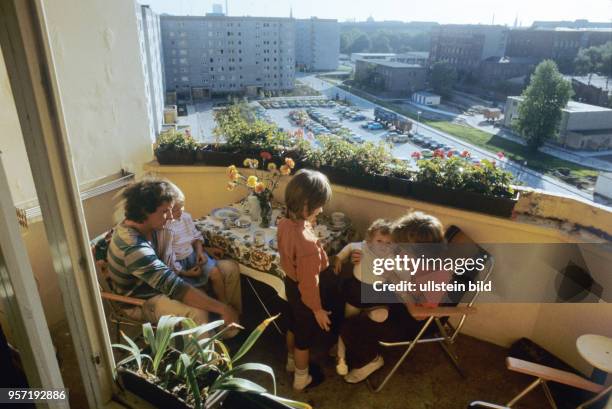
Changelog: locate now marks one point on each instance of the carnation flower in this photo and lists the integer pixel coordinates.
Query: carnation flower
(271, 167)
(285, 170)
(252, 181)
(289, 162)
(259, 187)
(265, 155)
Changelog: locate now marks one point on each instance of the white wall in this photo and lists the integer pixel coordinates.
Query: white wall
(98, 61)
(98, 64)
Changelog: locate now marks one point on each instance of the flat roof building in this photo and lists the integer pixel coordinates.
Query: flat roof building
(582, 126)
(394, 78)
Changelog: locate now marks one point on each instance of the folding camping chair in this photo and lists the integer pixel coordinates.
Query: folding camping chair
(545, 374)
(444, 333)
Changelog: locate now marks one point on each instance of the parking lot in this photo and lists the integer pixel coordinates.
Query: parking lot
(201, 120)
(280, 116)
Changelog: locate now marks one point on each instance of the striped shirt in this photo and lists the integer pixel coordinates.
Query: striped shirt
(185, 233)
(136, 269)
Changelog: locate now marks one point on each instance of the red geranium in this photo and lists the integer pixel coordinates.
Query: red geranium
(416, 155)
(501, 155)
(449, 154)
(438, 153)
(465, 154)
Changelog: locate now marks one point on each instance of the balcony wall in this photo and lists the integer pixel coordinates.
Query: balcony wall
(554, 326)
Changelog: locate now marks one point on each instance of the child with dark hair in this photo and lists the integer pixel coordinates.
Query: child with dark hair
(308, 284)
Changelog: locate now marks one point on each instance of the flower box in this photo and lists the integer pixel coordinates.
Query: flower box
(175, 157)
(162, 398)
(461, 199)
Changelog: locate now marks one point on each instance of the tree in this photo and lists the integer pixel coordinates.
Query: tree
(380, 43)
(442, 79)
(596, 59)
(361, 44)
(539, 113)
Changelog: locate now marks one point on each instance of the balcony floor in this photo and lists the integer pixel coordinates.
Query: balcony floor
(426, 380)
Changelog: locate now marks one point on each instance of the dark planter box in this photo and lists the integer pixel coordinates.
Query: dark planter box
(374, 183)
(399, 186)
(171, 157)
(496, 206)
(337, 176)
(161, 398)
(215, 158)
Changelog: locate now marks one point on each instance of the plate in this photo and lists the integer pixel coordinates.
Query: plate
(224, 213)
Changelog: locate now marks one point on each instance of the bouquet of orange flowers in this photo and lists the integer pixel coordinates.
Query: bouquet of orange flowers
(263, 183)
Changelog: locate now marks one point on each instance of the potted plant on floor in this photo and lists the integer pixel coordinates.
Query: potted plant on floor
(175, 148)
(186, 369)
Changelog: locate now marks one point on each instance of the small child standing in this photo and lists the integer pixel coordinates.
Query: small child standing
(376, 245)
(191, 261)
(308, 283)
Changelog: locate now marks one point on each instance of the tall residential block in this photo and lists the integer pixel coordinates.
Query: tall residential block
(317, 44)
(220, 54)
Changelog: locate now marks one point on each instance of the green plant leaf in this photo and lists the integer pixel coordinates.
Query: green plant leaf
(288, 402)
(191, 380)
(250, 367)
(149, 336)
(253, 337)
(237, 384)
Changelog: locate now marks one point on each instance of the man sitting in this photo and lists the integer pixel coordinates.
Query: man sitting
(137, 270)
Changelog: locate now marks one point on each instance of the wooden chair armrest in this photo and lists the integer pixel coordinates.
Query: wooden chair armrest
(122, 298)
(426, 312)
(551, 374)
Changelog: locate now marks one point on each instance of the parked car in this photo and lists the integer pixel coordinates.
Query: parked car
(358, 117)
(375, 126)
(399, 139)
(426, 153)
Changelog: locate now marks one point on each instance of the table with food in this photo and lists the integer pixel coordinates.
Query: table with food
(234, 230)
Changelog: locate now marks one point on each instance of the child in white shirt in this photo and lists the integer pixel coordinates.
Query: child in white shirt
(191, 261)
(376, 245)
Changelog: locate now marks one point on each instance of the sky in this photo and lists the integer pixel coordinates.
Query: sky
(441, 11)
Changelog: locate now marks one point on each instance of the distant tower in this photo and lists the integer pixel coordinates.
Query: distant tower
(290, 11)
(493, 20)
(226, 9)
(516, 21)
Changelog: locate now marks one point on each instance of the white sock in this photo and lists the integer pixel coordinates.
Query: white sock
(301, 379)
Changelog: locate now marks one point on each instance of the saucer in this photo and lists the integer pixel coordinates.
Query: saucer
(225, 213)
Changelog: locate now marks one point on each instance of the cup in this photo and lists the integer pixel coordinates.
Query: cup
(244, 221)
(259, 238)
(337, 218)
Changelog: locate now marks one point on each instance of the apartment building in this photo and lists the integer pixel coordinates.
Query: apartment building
(464, 46)
(204, 55)
(317, 44)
